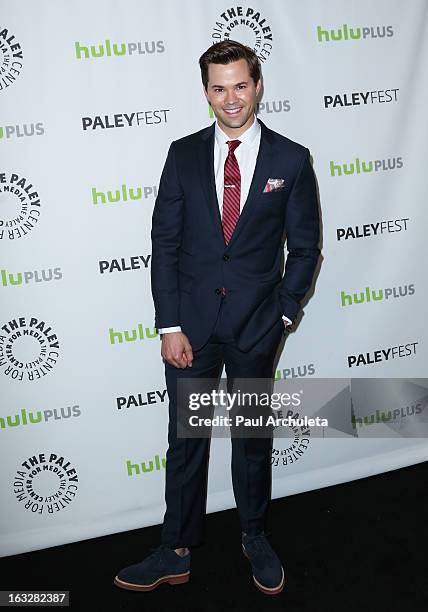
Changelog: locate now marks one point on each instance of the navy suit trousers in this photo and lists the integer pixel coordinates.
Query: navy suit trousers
(187, 458)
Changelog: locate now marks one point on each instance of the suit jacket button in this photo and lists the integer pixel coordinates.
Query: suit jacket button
(226, 257)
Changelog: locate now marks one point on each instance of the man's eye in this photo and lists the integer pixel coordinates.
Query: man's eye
(241, 86)
(218, 90)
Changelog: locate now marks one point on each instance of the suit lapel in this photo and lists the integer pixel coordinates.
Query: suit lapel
(206, 167)
(260, 176)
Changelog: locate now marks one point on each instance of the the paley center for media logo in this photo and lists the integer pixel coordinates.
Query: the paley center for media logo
(45, 483)
(11, 57)
(29, 348)
(248, 25)
(20, 205)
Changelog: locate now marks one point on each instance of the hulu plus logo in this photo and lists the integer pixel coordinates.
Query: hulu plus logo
(136, 469)
(346, 32)
(13, 279)
(360, 166)
(376, 295)
(123, 194)
(25, 417)
(389, 416)
(109, 49)
(140, 333)
(22, 130)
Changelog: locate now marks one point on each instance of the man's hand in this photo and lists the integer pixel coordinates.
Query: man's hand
(177, 350)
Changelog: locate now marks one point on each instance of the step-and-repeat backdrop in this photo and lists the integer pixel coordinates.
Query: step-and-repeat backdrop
(91, 95)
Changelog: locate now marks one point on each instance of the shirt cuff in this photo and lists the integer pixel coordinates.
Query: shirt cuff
(168, 330)
(177, 328)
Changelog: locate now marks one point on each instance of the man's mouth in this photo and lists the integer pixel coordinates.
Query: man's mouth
(233, 111)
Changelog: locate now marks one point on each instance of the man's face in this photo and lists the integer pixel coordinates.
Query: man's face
(232, 94)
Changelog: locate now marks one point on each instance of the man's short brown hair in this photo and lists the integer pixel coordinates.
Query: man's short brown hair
(228, 51)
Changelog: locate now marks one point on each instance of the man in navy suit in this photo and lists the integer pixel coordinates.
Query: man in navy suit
(228, 196)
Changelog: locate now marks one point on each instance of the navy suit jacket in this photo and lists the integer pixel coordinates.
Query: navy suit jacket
(190, 261)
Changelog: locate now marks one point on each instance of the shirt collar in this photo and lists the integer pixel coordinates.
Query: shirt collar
(247, 137)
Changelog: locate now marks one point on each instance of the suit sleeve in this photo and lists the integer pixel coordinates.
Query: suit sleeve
(167, 226)
(302, 235)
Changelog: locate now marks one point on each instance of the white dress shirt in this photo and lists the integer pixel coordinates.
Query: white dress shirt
(246, 156)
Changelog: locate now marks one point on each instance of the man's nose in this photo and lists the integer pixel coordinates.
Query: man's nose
(231, 96)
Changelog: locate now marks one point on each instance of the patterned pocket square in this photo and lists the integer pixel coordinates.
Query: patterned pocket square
(274, 184)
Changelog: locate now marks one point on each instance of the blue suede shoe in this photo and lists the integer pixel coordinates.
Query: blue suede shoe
(162, 565)
(268, 573)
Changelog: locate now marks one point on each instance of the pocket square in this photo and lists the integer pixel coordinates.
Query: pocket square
(274, 184)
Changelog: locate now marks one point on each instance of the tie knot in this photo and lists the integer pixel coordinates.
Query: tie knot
(233, 144)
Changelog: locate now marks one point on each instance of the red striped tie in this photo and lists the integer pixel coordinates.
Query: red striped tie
(232, 191)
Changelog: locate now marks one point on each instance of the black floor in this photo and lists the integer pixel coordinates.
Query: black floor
(357, 546)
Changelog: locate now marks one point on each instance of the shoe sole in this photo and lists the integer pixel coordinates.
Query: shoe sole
(267, 590)
(171, 579)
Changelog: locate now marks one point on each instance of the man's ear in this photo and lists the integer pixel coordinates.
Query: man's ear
(205, 94)
(258, 86)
